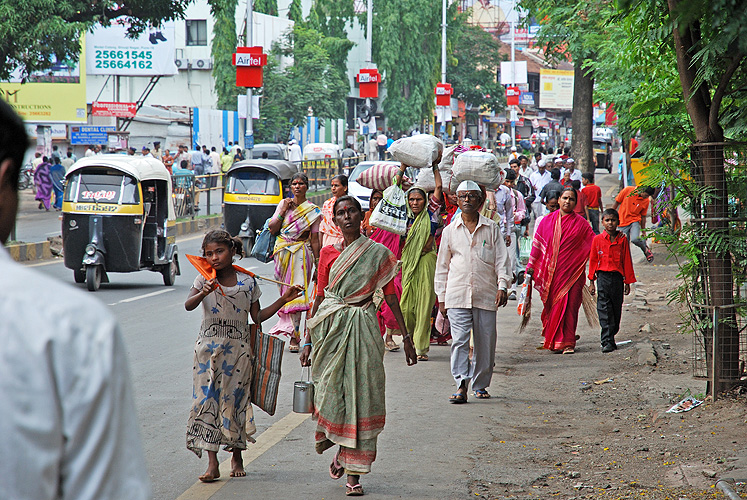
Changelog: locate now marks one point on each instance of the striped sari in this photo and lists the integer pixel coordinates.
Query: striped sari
(348, 356)
(559, 254)
(294, 263)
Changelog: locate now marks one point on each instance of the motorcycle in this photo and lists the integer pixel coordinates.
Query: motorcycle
(26, 177)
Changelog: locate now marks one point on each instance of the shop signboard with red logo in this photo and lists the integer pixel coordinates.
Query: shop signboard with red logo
(512, 96)
(118, 109)
(443, 93)
(368, 83)
(249, 62)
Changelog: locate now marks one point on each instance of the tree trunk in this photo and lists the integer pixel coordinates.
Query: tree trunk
(583, 118)
(708, 153)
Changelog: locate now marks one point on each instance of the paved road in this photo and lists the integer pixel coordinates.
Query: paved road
(425, 450)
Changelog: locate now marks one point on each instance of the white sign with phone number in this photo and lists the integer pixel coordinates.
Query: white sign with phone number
(110, 52)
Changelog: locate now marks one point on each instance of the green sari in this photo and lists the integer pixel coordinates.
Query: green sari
(348, 356)
(418, 272)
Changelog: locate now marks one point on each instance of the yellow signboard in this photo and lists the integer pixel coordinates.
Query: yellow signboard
(556, 89)
(56, 96)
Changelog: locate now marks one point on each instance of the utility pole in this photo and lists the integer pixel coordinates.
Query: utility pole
(514, 114)
(369, 64)
(249, 133)
(443, 60)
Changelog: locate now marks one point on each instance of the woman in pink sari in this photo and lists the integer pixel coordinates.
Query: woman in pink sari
(557, 264)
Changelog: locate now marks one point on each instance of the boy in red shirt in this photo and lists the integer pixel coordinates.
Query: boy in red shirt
(633, 203)
(610, 264)
(593, 199)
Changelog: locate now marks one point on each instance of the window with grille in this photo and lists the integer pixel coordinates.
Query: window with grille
(196, 31)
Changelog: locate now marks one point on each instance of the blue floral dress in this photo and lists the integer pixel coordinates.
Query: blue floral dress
(221, 411)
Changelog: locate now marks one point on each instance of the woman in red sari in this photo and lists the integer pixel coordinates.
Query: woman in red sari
(557, 264)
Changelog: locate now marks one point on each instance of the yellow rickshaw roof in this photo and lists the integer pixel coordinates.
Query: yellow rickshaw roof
(142, 168)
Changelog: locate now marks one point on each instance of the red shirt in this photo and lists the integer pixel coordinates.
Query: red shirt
(608, 255)
(593, 196)
(633, 207)
(581, 204)
(327, 257)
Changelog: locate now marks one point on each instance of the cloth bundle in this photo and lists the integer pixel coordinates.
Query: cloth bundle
(418, 151)
(427, 182)
(379, 176)
(478, 166)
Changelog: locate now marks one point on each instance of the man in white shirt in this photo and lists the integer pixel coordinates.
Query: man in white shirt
(505, 138)
(69, 423)
(570, 164)
(294, 151)
(538, 180)
(471, 282)
(381, 141)
(513, 155)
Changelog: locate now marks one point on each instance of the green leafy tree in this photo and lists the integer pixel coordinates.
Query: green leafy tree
(473, 61)
(34, 34)
(222, 49)
(574, 30)
(311, 82)
(269, 7)
(407, 48)
(295, 13)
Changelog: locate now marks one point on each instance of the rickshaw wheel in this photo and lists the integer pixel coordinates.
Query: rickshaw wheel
(79, 275)
(169, 272)
(93, 278)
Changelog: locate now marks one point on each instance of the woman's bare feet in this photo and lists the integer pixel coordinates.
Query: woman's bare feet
(212, 473)
(237, 464)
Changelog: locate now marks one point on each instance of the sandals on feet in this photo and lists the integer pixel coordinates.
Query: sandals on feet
(458, 398)
(391, 346)
(569, 350)
(649, 255)
(481, 394)
(422, 357)
(335, 470)
(293, 348)
(353, 490)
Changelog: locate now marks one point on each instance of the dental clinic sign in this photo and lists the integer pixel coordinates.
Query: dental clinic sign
(249, 62)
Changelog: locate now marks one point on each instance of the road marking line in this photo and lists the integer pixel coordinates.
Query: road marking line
(47, 262)
(145, 296)
(265, 441)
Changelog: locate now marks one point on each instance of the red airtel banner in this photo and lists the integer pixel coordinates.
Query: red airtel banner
(368, 83)
(249, 62)
(443, 93)
(118, 109)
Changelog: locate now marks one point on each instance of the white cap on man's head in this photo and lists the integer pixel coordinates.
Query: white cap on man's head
(570, 160)
(513, 148)
(292, 141)
(468, 186)
(558, 160)
(542, 163)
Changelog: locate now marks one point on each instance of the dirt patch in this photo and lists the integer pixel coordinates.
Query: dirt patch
(561, 435)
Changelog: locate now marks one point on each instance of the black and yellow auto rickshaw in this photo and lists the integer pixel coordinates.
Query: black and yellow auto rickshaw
(252, 193)
(603, 153)
(118, 216)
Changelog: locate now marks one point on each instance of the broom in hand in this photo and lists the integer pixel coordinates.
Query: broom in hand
(525, 304)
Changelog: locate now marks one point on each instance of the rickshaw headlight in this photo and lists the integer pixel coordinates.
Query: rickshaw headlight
(244, 226)
(90, 249)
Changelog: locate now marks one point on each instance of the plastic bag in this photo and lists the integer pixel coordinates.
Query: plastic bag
(378, 176)
(264, 246)
(478, 166)
(418, 151)
(525, 248)
(390, 213)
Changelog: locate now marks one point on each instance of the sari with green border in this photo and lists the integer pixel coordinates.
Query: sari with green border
(348, 355)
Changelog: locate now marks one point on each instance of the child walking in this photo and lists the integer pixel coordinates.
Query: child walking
(593, 199)
(610, 264)
(221, 411)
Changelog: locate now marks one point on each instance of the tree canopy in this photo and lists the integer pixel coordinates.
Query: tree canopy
(34, 34)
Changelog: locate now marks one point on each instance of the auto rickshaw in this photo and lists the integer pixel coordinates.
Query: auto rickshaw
(603, 153)
(270, 151)
(252, 193)
(118, 216)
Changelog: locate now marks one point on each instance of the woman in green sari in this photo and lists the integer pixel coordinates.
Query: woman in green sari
(419, 262)
(348, 361)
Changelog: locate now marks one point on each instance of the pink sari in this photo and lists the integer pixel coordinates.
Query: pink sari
(559, 254)
(392, 242)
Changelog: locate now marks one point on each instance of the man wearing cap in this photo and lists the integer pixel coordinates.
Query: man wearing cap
(513, 155)
(294, 151)
(472, 277)
(145, 151)
(570, 164)
(538, 180)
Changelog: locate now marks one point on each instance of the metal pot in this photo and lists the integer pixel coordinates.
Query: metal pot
(303, 394)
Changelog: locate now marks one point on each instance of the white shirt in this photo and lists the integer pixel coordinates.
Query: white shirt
(471, 267)
(215, 159)
(538, 181)
(575, 175)
(505, 138)
(526, 172)
(295, 153)
(504, 205)
(69, 424)
(90, 152)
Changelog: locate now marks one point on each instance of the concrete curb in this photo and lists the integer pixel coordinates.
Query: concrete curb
(25, 252)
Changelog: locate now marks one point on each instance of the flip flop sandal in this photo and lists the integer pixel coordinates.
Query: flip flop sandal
(569, 350)
(293, 348)
(335, 470)
(481, 394)
(391, 346)
(422, 357)
(458, 398)
(353, 490)
(649, 255)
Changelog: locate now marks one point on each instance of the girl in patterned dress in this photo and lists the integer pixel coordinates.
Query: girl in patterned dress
(221, 412)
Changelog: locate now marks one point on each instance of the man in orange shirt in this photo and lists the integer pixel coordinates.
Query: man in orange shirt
(632, 203)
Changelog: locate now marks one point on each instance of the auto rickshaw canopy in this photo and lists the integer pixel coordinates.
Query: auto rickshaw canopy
(282, 169)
